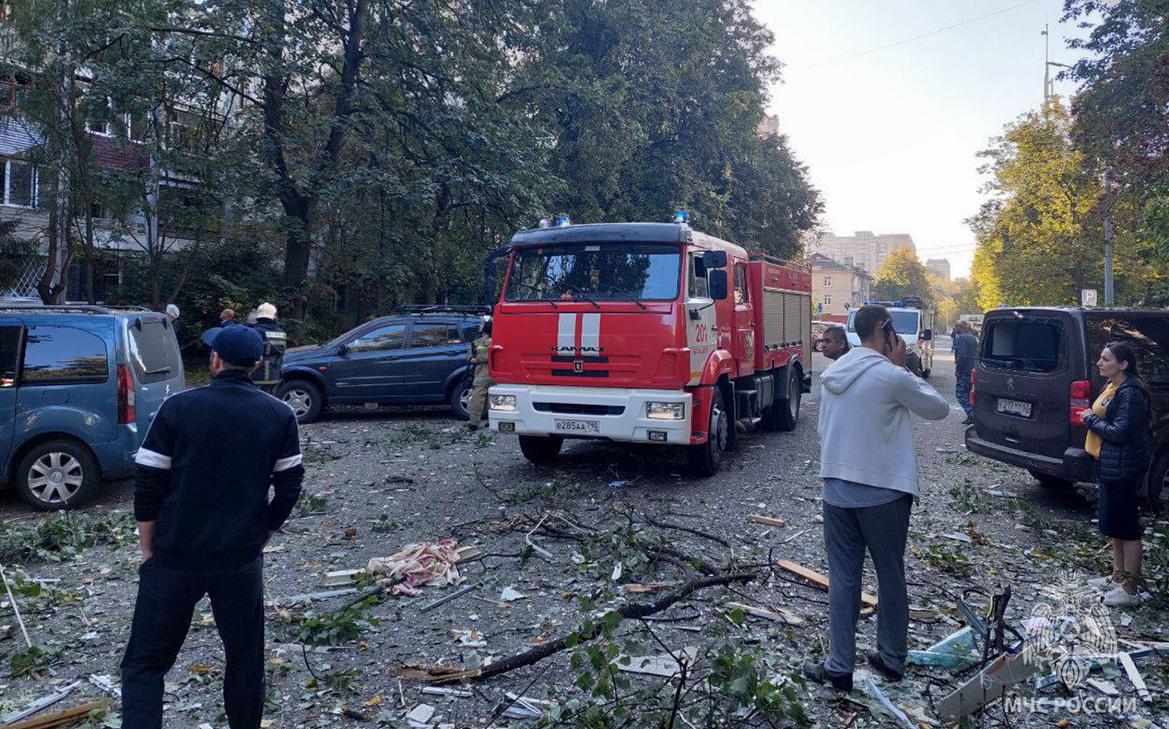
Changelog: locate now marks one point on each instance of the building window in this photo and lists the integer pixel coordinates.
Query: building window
(99, 117)
(18, 183)
(827, 301)
(827, 281)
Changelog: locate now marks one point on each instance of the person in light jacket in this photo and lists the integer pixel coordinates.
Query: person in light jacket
(869, 468)
(1118, 437)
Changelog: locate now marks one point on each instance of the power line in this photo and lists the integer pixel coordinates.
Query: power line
(917, 37)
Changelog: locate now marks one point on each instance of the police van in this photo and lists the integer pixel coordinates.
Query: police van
(914, 323)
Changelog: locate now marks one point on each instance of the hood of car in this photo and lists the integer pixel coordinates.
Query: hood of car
(297, 355)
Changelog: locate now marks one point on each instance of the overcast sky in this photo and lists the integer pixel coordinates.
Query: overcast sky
(890, 137)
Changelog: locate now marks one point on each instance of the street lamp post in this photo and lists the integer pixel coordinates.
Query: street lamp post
(1109, 203)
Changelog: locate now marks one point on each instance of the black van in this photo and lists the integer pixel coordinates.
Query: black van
(1036, 373)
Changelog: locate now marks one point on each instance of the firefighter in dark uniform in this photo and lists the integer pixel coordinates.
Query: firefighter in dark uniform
(480, 349)
(268, 375)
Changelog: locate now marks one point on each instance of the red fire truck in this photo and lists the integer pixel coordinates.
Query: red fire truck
(646, 333)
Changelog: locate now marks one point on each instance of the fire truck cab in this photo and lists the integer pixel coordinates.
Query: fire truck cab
(646, 333)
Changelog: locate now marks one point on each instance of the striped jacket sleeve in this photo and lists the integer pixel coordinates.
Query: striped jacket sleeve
(287, 475)
(153, 461)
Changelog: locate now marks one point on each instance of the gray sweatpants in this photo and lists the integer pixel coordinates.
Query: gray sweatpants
(847, 532)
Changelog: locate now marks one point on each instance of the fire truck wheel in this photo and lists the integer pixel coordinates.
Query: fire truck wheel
(706, 458)
(787, 411)
(540, 449)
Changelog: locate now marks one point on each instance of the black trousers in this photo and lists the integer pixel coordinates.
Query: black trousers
(162, 617)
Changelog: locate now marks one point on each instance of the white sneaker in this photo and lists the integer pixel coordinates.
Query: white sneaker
(1119, 598)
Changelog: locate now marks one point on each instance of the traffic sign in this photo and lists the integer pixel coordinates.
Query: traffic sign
(1087, 297)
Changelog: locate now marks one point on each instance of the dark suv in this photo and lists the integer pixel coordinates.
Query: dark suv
(1036, 373)
(417, 358)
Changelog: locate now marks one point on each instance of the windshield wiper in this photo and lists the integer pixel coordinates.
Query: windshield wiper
(581, 294)
(622, 292)
(159, 371)
(530, 287)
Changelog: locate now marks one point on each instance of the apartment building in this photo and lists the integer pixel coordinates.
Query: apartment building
(837, 288)
(940, 266)
(119, 142)
(864, 249)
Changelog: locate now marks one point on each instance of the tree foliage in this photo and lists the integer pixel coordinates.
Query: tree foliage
(379, 149)
(901, 274)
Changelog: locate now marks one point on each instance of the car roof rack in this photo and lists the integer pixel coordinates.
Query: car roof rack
(74, 308)
(442, 309)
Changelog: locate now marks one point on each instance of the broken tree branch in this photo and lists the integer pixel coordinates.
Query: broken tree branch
(632, 611)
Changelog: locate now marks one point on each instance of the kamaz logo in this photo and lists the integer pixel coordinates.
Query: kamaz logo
(577, 350)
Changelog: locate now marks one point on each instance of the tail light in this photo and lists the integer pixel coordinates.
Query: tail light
(127, 413)
(972, 387)
(1079, 400)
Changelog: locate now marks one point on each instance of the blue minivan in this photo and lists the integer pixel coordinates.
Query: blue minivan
(79, 386)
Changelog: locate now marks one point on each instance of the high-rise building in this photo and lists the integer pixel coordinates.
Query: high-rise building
(864, 249)
(940, 266)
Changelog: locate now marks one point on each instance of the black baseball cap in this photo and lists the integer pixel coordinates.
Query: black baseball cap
(240, 346)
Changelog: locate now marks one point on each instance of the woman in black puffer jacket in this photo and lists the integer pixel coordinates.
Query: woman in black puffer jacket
(1118, 436)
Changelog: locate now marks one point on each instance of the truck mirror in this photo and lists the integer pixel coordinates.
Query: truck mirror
(717, 281)
(714, 259)
(927, 335)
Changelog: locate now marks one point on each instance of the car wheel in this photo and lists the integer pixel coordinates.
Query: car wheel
(540, 449)
(60, 474)
(461, 399)
(304, 398)
(1047, 481)
(1155, 485)
(706, 458)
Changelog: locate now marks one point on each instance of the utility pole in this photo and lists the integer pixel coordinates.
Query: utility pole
(1109, 201)
(1046, 67)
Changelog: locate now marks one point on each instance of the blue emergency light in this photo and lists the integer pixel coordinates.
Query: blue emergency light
(562, 221)
(681, 217)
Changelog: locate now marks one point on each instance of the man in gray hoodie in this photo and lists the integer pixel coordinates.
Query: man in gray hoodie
(869, 467)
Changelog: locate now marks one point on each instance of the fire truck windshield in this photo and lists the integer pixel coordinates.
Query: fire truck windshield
(595, 272)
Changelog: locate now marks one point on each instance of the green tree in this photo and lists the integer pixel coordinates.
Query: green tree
(1121, 114)
(1039, 233)
(901, 274)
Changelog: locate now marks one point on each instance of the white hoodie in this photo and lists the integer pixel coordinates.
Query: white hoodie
(865, 433)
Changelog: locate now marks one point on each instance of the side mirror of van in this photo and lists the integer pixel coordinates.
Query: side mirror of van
(717, 282)
(714, 259)
(927, 335)
(343, 350)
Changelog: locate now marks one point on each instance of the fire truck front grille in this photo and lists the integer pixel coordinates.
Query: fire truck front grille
(563, 408)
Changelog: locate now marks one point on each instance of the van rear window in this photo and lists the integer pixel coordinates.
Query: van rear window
(154, 352)
(1022, 344)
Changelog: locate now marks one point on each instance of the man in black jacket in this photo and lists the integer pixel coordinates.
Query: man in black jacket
(201, 502)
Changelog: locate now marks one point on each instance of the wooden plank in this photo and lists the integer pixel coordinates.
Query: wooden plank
(821, 581)
(59, 718)
(1134, 677)
(782, 616)
(766, 520)
(341, 578)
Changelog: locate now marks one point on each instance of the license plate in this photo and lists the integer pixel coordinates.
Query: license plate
(1014, 407)
(578, 426)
